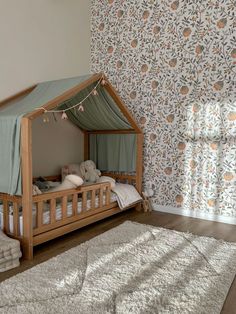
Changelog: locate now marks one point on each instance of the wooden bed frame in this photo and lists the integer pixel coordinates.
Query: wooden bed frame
(30, 236)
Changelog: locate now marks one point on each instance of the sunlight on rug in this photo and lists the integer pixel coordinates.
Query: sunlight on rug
(132, 268)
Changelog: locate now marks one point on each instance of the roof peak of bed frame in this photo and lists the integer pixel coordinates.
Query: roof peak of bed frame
(73, 91)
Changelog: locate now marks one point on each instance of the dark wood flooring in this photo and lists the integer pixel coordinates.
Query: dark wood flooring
(180, 223)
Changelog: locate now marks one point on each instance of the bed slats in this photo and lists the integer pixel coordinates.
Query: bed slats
(64, 207)
(75, 204)
(39, 208)
(87, 198)
(100, 198)
(84, 201)
(56, 209)
(15, 218)
(108, 196)
(93, 198)
(53, 210)
(6, 216)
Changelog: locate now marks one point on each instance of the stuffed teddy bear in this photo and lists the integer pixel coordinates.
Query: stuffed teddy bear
(89, 172)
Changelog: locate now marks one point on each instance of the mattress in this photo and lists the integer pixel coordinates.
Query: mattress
(46, 213)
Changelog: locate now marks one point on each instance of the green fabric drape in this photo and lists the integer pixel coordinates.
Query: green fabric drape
(113, 152)
(10, 120)
(100, 111)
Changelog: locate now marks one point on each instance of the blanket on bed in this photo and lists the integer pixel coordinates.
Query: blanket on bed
(127, 195)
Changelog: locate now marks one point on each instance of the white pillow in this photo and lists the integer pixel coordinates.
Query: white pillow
(107, 179)
(74, 179)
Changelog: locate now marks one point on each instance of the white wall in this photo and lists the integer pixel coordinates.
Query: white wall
(42, 40)
(45, 40)
(55, 144)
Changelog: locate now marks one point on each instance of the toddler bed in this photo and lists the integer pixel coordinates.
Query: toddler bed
(57, 213)
(90, 199)
(46, 214)
(92, 104)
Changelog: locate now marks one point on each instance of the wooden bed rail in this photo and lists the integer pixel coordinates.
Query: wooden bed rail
(126, 178)
(80, 189)
(122, 178)
(92, 199)
(57, 213)
(64, 207)
(10, 198)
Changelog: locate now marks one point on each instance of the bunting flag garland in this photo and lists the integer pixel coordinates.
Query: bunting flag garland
(79, 106)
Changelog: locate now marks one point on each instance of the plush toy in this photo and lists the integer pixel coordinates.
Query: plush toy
(36, 190)
(147, 204)
(89, 172)
(71, 181)
(42, 184)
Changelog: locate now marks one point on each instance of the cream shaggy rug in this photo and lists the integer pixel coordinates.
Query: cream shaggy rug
(132, 268)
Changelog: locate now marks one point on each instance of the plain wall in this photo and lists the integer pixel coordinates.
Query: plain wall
(54, 145)
(42, 40)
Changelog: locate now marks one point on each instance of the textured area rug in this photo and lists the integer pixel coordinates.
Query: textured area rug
(132, 268)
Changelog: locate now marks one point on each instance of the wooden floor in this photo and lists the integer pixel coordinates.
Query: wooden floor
(180, 223)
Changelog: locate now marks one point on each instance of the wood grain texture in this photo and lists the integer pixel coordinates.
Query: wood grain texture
(16, 218)
(64, 207)
(39, 207)
(69, 221)
(26, 165)
(75, 204)
(52, 210)
(56, 232)
(6, 216)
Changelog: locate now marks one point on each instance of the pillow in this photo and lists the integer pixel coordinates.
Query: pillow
(107, 179)
(71, 181)
(74, 179)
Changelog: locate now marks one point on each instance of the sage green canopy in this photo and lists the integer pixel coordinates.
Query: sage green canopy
(114, 152)
(101, 113)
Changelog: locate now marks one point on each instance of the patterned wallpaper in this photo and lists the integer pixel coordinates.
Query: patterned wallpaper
(174, 65)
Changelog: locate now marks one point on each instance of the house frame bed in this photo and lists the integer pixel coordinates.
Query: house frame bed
(99, 192)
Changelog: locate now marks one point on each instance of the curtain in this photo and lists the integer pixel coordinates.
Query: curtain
(114, 152)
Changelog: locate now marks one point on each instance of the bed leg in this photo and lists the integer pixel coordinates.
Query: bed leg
(27, 249)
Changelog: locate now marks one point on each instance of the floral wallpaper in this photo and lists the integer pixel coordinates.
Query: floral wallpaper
(174, 65)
